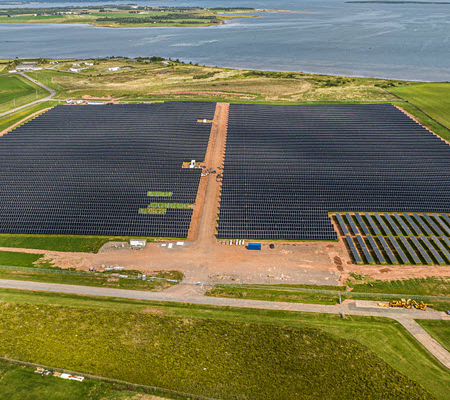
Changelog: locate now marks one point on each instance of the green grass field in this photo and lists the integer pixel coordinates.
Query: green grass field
(18, 88)
(433, 98)
(107, 280)
(22, 383)
(18, 259)
(72, 243)
(440, 330)
(385, 337)
(165, 348)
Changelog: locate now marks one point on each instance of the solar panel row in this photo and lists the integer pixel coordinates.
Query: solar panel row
(400, 248)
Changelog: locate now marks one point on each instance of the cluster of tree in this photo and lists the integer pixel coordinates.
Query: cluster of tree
(179, 19)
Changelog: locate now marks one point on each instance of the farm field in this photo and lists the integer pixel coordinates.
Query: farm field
(433, 98)
(18, 88)
(201, 337)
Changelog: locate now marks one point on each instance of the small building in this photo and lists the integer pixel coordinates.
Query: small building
(88, 63)
(114, 69)
(138, 243)
(28, 67)
(75, 65)
(75, 69)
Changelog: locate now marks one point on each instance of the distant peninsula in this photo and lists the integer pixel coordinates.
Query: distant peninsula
(129, 15)
(397, 2)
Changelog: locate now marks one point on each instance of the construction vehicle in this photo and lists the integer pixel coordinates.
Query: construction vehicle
(408, 304)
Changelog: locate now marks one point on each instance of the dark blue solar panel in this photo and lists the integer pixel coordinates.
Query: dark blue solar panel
(441, 247)
(362, 224)
(433, 250)
(353, 249)
(393, 224)
(423, 224)
(433, 225)
(386, 230)
(367, 255)
(387, 249)
(372, 223)
(398, 249)
(403, 224)
(350, 221)
(377, 251)
(410, 250)
(413, 224)
(442, 224)
(342, 224)
(422, 251)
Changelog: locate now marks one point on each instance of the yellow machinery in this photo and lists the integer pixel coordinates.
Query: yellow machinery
(403, 303)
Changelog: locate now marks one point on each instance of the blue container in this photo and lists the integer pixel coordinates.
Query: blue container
(254, 246)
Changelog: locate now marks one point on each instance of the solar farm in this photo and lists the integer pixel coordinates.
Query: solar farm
(104, 170)
(365, 174)
(287, 167)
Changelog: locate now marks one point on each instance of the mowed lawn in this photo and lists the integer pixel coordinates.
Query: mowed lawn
(205, 356)
(18, 88)
(433, 98)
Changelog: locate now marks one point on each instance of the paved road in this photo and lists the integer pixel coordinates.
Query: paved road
(49, 97)
(192, 294)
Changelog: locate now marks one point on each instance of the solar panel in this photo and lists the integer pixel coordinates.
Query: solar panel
(442, 248)
(362, 224)
(377, 251)
(393, 224)
(442, 224)
(350, 221)
(433, 225)
(402, 223)
(446, 240)
(423, 225)
(398, 249)
(372, 224)
(383, 225)
(422, 251)
(353, 249)
(446, 217)
(410, 250)
(367, 255)
(387, 249)
(433, 250)
(342, 224)
(413, 224)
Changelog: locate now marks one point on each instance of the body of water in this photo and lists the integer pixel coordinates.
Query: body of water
(401, 41)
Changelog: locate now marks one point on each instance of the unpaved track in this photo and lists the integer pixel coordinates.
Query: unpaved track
(364, 308)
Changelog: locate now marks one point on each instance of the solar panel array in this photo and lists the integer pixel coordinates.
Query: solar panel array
(88, 169)
(286, 167)
(407, 244)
